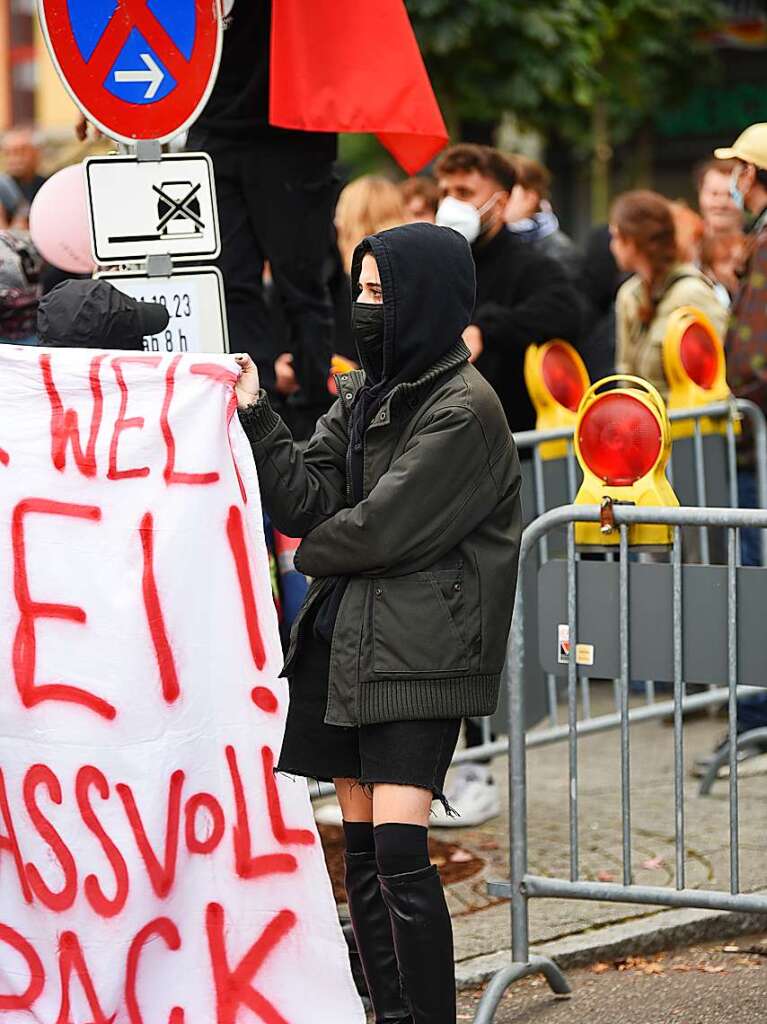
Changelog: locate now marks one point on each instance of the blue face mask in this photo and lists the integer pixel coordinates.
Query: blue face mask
(735, 193)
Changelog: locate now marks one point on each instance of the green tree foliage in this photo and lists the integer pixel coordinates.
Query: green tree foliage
(593, 71)
(550, 63)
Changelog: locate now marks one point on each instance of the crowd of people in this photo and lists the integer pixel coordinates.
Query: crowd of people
(289, 231)
(611, 297)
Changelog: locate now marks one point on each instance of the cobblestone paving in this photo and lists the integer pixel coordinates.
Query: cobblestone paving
(482, 924)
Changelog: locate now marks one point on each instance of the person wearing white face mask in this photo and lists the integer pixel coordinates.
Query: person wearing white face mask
(746, 342)
(523, 297)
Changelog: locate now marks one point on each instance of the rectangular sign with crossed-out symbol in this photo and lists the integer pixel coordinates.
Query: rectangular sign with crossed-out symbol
(141, 208)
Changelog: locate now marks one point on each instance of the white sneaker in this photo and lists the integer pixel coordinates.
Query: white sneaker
(328, 814)
(471, 791)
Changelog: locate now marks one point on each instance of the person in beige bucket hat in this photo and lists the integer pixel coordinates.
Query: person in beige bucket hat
(746, 350)
(748, 186)
(746, 341)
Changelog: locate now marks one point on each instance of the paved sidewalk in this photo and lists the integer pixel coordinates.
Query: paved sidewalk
(482, 925)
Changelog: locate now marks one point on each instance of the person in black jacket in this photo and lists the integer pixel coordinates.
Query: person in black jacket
(531, 218)
(407, 500)
(598, 285)
(523, 297)
(276, 191)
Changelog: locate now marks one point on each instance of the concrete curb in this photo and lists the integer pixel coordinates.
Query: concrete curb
(637, 937)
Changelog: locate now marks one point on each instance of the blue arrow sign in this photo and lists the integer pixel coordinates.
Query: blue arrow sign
(138, 74)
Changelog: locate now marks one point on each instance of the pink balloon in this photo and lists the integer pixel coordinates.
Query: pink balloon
(58, 221)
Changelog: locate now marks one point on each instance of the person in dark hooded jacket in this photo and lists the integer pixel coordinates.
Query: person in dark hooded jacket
(407, 500)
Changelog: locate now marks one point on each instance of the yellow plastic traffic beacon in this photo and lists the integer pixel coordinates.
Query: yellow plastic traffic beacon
(556, 380)
(694, 364)
(338, 365)
(623, 442)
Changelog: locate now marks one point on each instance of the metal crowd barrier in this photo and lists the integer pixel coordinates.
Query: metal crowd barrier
(599, 601)
(702, 468)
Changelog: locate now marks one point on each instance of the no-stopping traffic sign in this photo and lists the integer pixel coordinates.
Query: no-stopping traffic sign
(138, 69)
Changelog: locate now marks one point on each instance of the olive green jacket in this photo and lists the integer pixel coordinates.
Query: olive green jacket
(430, 552)
(639, 346)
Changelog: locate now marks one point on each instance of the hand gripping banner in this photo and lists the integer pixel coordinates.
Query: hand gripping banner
(153, 869)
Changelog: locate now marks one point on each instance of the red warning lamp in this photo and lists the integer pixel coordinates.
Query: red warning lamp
(699, 357)
(694, 365)
(620, 438)
(623, 441)
(562, 374)
(556, 380)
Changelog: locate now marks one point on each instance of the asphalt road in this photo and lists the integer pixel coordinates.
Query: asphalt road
(720, 983)
(699, 985)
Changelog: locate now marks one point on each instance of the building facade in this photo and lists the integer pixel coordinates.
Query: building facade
(30, 90)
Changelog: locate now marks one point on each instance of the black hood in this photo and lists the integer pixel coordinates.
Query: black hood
(428, 283)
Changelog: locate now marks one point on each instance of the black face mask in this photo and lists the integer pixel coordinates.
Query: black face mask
(368, 333)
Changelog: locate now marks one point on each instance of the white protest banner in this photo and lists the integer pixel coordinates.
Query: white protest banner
(153, 869)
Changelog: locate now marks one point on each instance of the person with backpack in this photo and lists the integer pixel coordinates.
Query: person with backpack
(644, 243)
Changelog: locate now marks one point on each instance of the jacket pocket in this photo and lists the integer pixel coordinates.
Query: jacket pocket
(419, 624)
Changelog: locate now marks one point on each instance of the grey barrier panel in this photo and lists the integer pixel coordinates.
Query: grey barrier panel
(715, 469)
(553, 483)
(701, 471)
(704, 608)
(739, 590)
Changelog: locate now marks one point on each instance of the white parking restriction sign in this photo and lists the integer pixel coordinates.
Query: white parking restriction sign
(195, 304)
(141, 208)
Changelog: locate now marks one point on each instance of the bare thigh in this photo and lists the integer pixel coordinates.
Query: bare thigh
(406, 805)
(355, 800)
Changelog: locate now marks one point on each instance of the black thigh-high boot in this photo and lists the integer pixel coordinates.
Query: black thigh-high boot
(373, 931)
(423, 940)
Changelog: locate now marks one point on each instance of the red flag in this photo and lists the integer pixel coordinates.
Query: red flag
(348, 66)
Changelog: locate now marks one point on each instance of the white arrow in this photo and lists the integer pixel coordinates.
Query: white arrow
(153, 74)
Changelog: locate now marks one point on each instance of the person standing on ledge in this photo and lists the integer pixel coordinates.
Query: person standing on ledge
(407, 500)
(276, 190)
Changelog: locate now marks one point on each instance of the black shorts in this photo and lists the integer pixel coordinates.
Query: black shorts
(404, 753)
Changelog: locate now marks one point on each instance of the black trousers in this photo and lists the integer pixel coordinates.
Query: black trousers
(276, 196)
